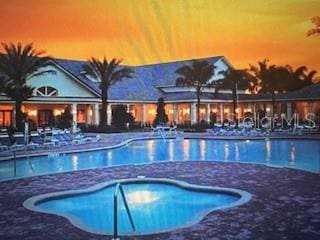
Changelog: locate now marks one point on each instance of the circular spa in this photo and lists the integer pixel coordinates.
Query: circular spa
(143, 205)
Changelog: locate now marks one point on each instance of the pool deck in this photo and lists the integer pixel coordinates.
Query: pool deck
(285, 202)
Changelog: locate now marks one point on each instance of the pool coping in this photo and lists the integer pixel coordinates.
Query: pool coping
(245, 197)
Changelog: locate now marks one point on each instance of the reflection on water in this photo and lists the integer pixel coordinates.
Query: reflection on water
(292, 155)
(186, 149)
(171, 151)
(226, 152)
(150, 149)
(301, 154)
(202, 149)
(237, 151)
(74, 162)
(268, 150)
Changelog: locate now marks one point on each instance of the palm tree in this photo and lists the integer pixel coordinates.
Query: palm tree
(196, 76)
(18, 64)
(316, 30)
(107, 73)
(235, 79)
(271, 79)
(300, 78)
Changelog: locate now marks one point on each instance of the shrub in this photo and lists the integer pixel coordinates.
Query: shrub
(161, 117)
(121, 117)
(64, 120)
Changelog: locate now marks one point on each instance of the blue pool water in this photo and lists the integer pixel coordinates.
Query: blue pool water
(299, 154)
(155, 207)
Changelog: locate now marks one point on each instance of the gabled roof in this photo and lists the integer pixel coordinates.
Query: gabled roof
(143, 85)
(75, 68)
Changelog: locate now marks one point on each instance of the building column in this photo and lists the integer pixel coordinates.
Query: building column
(208, 113)
(96, 114)
(144, 114)
(221, 113)
(109, 113)
(74, 117)
(193, 113)
(289, 110)
(89, 114)
(175, 113)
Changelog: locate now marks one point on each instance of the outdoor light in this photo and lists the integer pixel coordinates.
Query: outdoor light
(32, 113)
(90, 112)
(268, 109)
(185, 111)
(57, 112)
(215, 110)
(152, 111)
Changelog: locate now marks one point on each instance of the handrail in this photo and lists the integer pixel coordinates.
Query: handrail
(14, 163)
(115, 210)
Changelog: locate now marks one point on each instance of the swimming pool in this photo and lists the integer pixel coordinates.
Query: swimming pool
(156, 205)
(299, 154)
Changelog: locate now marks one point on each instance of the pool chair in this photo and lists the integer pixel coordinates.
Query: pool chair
(69, 138)
(232, 125)
(80, 138)
(310, 128)
(3, 130)
(19, 141)
(218, 124)
(49, 140)
(5, 142)
(36, 141)
(59, 139)
(173, 130)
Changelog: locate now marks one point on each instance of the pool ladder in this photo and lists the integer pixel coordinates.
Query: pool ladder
(118, 189)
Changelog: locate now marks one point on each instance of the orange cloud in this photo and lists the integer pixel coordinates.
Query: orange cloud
(146, 31)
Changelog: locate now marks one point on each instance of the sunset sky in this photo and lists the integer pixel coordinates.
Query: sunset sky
(150, 31)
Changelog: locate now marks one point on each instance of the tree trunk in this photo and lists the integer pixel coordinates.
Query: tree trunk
(198, 109)
(104, 113)
(272, 110)
(19, 116)
(234, 99)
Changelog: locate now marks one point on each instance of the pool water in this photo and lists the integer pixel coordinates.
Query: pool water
(299, 154)
(155, 207)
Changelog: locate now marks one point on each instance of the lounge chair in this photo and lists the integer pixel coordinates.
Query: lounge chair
(5, 142)
(19, 141)
(35, 140)
(61, 139)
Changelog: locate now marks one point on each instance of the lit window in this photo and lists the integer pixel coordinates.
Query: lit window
(5, 118)
(81, 117)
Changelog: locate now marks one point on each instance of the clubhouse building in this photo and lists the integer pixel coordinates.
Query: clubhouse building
(71, 86)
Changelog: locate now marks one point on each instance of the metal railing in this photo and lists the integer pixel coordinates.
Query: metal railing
(115, 210)
(14, 163)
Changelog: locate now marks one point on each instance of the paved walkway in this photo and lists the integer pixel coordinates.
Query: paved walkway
(285, 203)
